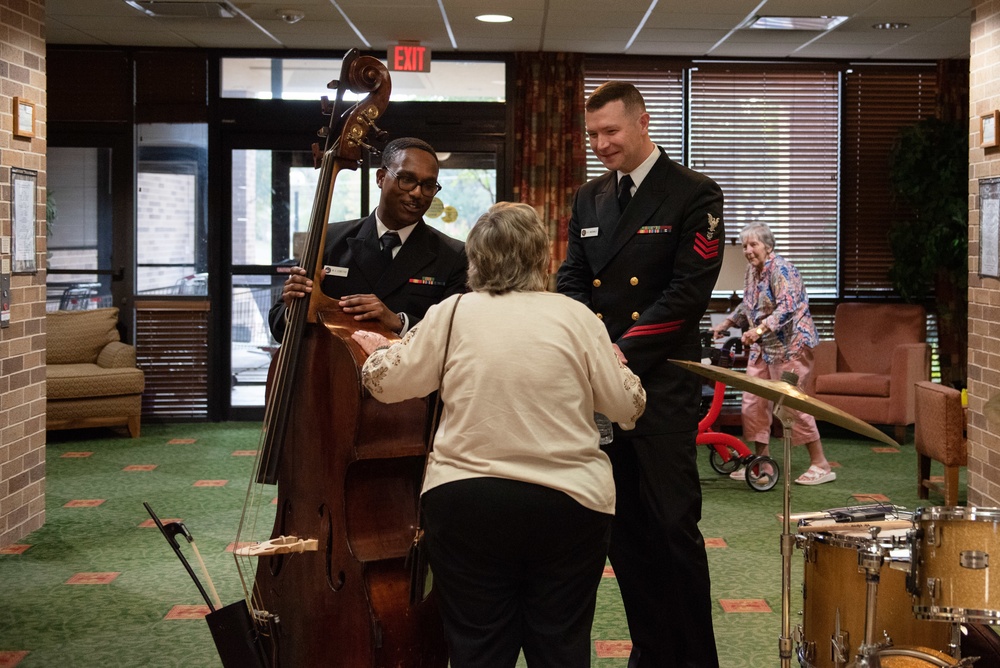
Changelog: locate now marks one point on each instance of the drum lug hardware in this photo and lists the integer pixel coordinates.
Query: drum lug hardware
(839, 644)
(932, 587)
(808, 652)
(974, 559)
(933, 535)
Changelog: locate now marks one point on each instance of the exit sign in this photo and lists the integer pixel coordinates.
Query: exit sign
(409, 58)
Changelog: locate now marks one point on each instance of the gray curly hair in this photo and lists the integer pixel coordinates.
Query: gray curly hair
(508, 250)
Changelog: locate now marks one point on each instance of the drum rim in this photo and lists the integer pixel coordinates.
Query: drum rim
(972, 513)
(917, 652)
(949, 614)
(856, 542)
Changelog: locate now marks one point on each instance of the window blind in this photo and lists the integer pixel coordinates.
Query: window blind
(768, 135)
(661, 83)
(879, 100)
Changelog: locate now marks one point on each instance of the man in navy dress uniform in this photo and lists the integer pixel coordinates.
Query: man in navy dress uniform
(391, 266)
(644, 253)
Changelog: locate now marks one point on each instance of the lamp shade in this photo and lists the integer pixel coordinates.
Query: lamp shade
(734, 267)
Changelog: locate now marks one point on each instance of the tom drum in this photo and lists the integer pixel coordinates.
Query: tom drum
(833, 585)
(951, 550)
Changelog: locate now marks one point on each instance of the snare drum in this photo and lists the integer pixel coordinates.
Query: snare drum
(951, 564)
(833, 582)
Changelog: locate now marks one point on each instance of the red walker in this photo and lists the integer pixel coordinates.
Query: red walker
(729, 453)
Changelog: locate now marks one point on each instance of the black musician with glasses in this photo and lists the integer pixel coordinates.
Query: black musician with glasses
(391, 266)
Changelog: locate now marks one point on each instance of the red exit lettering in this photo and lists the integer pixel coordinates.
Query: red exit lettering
(409, 58)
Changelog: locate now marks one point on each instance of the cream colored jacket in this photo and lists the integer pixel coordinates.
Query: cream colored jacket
(525, 373)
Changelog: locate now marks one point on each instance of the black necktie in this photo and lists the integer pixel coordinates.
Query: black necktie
(389, 241)
(624, 192)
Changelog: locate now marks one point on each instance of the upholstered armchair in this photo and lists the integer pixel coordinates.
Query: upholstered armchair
(91, 376)
(939, 435)
(878, 353)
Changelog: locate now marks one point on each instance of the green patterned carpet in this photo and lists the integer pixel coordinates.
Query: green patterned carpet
(117, 615)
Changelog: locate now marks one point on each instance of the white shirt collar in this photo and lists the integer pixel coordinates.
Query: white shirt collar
(640, 172)
(382, 229)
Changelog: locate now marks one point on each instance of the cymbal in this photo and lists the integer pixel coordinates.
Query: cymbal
(789, 395)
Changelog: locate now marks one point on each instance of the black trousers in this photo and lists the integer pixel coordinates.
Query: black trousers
(515, 566)
(658, 552)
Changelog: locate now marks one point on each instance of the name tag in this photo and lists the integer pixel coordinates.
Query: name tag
(589, 232)
(335, 271)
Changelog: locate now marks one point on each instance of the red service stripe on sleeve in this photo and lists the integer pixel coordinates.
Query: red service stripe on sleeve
(651, 330)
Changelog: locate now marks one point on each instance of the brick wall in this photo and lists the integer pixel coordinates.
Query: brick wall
(984, 293)
(22, 344)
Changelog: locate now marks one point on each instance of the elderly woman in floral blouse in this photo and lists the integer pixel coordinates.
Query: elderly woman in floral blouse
(781, 335)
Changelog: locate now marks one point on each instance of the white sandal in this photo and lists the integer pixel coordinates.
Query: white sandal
(816, 476)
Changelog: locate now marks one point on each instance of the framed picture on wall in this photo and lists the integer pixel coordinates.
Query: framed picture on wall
(23, 195)
(988, 129)
(989, 228)
(24, 118)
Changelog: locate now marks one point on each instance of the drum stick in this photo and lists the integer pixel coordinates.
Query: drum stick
(837, 527)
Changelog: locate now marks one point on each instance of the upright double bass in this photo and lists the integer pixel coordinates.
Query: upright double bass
(330, 586)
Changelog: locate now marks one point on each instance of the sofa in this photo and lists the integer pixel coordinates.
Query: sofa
(91, 375)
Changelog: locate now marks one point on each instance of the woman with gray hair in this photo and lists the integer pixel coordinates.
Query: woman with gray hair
(518, 497)
(781, 335)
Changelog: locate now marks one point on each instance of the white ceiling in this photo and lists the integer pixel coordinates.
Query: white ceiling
(688, 28)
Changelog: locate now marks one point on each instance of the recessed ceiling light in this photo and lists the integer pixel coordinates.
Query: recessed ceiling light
(290, 15)
(494, 18)
(891, 25)
(816, 23)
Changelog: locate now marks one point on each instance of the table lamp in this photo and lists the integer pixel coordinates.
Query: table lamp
(734, 267)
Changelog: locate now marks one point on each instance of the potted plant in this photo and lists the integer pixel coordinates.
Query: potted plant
(929, 173)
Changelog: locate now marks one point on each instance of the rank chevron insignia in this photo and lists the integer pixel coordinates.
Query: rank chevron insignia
(706, 248)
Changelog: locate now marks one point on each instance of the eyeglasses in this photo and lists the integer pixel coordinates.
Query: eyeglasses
(408, 183)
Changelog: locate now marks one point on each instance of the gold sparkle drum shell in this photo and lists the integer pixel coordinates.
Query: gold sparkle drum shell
(833, 583)
(952, 549)
(915, 657)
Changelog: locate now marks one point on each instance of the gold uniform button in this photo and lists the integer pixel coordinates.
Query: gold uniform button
(635, 315)
(634, 280)
(597, 282)
(599, 316)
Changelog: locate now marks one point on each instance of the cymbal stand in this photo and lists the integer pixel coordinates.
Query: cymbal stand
(787, 539)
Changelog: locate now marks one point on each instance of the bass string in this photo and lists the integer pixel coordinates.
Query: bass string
(281, 384)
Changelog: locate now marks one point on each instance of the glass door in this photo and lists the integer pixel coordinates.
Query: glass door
(78, 216)
(271, 201)
(272, 198)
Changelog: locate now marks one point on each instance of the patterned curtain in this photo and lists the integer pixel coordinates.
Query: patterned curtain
(549, 131)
